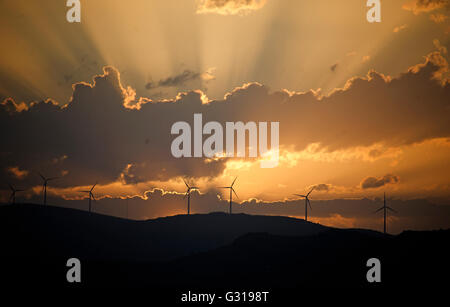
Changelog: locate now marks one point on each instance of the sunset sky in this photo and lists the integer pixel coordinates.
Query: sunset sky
(364, 108)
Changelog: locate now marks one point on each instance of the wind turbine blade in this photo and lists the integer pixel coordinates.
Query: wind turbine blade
(309, 203)
(11, 187)
(233, 181)
(186, 183)
(185, 195)
(84, 191)
(234, 192)
(391, 209)
(43, 178)
(300, 195)
(224, 187)
(93, 186)
(379, 209)
(92, 195)
(310, 191)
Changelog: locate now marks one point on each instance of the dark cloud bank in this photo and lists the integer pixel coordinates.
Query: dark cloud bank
(100, 137)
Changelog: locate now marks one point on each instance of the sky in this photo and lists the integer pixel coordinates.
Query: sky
(363, 108)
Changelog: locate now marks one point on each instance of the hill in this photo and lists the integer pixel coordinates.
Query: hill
(54, 231)
(212, 251)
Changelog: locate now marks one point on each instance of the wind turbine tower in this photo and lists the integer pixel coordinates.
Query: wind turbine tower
(385, 209)
(91, 195)
(44, 186)
(307, 202)
(188, 194)
(12, 198)
(231, 193)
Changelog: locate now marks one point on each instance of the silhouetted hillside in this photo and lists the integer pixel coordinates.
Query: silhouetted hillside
(211, 251)
(57, 231)
(333, 258)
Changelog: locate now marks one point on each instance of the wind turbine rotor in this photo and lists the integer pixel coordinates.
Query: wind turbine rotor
(300, 195)
(234, 192)
(43, 178)
(186, 184)
(378, 210)
(389, 208)
(310, 191)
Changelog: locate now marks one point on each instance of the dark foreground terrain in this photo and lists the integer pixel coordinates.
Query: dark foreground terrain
(210, 251)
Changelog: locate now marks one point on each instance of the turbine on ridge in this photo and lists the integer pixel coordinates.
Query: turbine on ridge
(91, 195)
(12, 198)
(44, 186)
(188, 194)
(307, 202)
(385, 208)
(231, 193)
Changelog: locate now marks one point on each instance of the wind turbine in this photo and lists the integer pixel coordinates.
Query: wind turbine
(44, 186)
(91, 196)
(385, 208)
(188, 194)
(307, 202)
(12, 198)
(231, 193)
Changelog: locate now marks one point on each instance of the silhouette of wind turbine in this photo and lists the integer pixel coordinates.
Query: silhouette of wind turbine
(188, 194)
(307, 202)
(231, 193)
(12, 198)
(91, 196)
(385, 208)
(44, 186)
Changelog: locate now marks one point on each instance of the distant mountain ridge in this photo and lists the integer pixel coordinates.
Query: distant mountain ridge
(61, 232)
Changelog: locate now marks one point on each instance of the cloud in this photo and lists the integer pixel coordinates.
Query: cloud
(177, 80)
(439, 47)
(208, 75)
(373, 182)
(229, 7)
(419, 6)
(322, 187)
(438, 18)
(17, 173)
(182, 79)
(108, 134)
(333, 67)
(400, 28)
